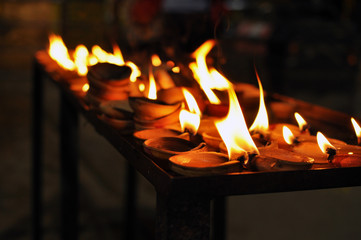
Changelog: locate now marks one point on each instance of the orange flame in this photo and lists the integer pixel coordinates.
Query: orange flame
(201, 72)
(152, 92)
(117, 55)
(85, 87)
(81, 59)
(190, 119)
(191, 102)
(323, 143)
(301, 122)
(141, 87)
(357, 128)
(233, 130)
(260, 123)
(176, 69)
(135, 71)
(288, 135)
(59, 52)
(156, 62)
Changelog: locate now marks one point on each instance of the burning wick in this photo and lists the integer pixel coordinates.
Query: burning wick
(302, 124)
(326, 147)
(357, 128)
(289, 137)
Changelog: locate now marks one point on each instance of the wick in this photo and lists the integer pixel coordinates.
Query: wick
(305, 128)
(295, 141)
(331, 154)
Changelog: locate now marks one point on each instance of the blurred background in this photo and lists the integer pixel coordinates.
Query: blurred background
(309, 50)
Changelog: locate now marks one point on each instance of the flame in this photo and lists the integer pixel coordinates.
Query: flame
(135, 71)
(301, 122)
(219, 81)
(288, 135)
(156, 62)
(201, 72)
(99, 53)
(117, 54)
(152, 92)
(176, 69)
(59, 52)
(260, 123)
(323, 143)
(81, 59)
(85, 87)
(141, 87)
(233, 130)
(189, 121)
(357, 128)
(104, 56)
(191, 102)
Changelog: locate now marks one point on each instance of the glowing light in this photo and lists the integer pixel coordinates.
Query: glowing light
(176, 69)
(81, 59)
(288, 135)
(323, 143)
(59, 52)
(156, 62)
(357, 128)
(152, 92)
(301, 122)
(85, 87)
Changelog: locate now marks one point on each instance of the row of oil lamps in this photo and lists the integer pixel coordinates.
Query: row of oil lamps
(176, 125)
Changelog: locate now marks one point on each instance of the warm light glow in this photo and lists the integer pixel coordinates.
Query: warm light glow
(260, 124)
(103, 56)
(141, 87)
(135, 71)
(59, 52)
(288, 135)
(176, 69)
(170, 63)
(118, 56)
(191, 102)
(219, 81)
(233, 130)
(92, 60)
(357, 128)
(301, 122)
(189, 121)
(85, 87)
(323, 143)
(156, 62)
(152, 91)
(81, 59)
(201, 72)
(99, 53)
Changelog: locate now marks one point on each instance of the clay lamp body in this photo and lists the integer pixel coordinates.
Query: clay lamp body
(116, 114)
(203, 163)
(346, 155)
(146, 134)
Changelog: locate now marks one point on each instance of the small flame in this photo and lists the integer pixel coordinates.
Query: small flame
(59, 52)
(323, 143)
(301, 122)
(135, 71)
(357, 128)
(81, 59)
(288, 135)
(176, 69)
(201, 72)
(85, 87)
(189, 121)
(141, 87)
(152, 92)
(118, 56)
(156, 62)
(191, 102)
(260, 124)
(233, 130)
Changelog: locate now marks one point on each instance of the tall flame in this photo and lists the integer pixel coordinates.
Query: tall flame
(288, 135)
(357, 128)
(191, 119)
(152, 91)
(59, 52)
(301, 122)
(118, 56)
(323, 143)
(201, 72)
(260, 123)
(191, 102)
(81, 59)
(233, 130)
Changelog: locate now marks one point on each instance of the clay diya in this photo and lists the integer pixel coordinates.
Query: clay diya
(203, 163)
(165, 147)
(115, 113)
(146, 134)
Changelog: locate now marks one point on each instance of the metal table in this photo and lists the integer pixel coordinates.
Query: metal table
(184, 204)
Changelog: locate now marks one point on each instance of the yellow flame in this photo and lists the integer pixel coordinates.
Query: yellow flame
(288, 135)
(189, 121)
(201, 72)
(357, 128)
(59, 52)
(92, 60)
(191, 102)
(301, 122)
(152, 92)
(176, 69)
(118, 56)
(141, 87)
(219, 81)
(260, 123)
(233, 129)
(85, 87)
(99, 53)
(156, 62)
(81, 59)
(323, 143)
(135, 71)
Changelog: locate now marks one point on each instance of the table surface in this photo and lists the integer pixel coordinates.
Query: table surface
(238, 183)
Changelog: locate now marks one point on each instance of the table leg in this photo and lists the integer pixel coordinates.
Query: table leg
(130, 202)
(183, 218)
(37, 157)
(69, 169)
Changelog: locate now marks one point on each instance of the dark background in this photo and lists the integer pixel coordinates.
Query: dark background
(304, 49)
